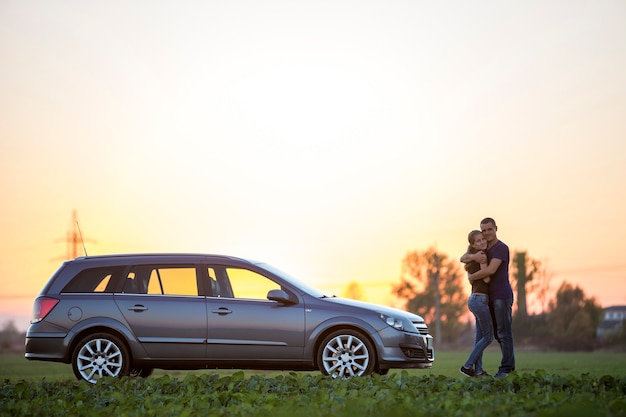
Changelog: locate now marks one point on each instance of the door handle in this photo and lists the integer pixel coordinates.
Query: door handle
(222, 311)
(138, 307)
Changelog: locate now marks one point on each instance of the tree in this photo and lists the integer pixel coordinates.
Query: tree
(432, 286)
(9, 336)
(540, 288)
(531, 282)
(521, 276)
(529, 278)
(354, 291)
(573, 318)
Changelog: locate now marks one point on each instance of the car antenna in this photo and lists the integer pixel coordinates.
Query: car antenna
(81, 237)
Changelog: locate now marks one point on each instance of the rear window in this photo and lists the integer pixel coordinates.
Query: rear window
(95, 280)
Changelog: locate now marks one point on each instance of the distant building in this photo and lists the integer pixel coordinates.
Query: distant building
(613, 322)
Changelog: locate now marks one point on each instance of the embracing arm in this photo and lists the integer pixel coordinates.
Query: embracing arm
(485, 272)
(486, 279)
(479, 257)
(466, 258)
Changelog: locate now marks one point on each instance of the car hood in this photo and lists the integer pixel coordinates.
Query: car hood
(375, 307)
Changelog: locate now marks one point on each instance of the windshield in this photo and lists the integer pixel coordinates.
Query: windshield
(296, 282)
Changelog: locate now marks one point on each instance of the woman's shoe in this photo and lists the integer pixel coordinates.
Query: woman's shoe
(467, 371)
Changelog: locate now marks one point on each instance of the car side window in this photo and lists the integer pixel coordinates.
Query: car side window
(173, 281)
(249, 284)
(94, 280)
(162, 280)
(215, 289)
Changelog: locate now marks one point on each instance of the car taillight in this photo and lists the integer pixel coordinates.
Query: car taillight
(41, 308)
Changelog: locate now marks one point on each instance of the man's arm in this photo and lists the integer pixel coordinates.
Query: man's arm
(479, 257)
(485, 272)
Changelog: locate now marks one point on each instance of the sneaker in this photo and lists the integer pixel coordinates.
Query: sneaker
(501, 375)
(483, 373)
(467, 371)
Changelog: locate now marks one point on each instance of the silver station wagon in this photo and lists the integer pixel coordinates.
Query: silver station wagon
(125, 315)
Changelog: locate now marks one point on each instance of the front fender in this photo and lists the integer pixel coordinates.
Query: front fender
(340, 322)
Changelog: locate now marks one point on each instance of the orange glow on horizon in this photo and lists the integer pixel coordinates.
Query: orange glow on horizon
(328, 144)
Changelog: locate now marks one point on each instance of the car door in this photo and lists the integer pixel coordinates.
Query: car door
(244, 325)
(162, 305)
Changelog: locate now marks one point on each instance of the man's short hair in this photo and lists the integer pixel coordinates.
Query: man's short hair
(488, 220)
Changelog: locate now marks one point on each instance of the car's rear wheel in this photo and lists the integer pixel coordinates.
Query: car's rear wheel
(100, 355)
(346, 353)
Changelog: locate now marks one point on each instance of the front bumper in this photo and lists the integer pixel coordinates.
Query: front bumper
(406, 350)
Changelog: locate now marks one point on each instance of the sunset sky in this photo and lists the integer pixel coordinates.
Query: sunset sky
(328, 138)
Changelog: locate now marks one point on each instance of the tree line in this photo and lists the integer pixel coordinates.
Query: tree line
(435, 286)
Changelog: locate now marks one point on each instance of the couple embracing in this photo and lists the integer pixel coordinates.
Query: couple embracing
(491, 301)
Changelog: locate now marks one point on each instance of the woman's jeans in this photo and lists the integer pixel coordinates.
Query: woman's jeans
(479, 306)
(502, 314)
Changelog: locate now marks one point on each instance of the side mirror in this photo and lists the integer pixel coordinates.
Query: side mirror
(279, 296)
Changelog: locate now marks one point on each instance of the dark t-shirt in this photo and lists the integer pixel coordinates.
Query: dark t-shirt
(478, 286)
(500, 287)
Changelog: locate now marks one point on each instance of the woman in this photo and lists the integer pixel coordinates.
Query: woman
(478, 304)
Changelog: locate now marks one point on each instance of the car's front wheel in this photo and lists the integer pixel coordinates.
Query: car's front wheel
(346, 353)
(100, 355)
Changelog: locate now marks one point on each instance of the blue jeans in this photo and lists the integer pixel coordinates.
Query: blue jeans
(479, 306)
(502, 314)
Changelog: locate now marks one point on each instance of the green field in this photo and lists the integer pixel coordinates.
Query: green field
(16, 367)
(545, 384)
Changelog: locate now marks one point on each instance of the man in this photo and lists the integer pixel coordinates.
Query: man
(500, 291)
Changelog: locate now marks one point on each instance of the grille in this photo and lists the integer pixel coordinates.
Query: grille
(414, 353)
(421, 328)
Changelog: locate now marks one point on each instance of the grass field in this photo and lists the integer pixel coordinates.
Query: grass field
(16, 367)
(545, 384)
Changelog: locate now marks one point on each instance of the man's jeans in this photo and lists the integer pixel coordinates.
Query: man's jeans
(478, 304)
(502, 313)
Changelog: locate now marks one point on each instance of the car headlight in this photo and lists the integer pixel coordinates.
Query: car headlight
(394, 322)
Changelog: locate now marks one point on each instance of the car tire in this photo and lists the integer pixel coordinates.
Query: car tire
(346, 353)
(100, 355)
